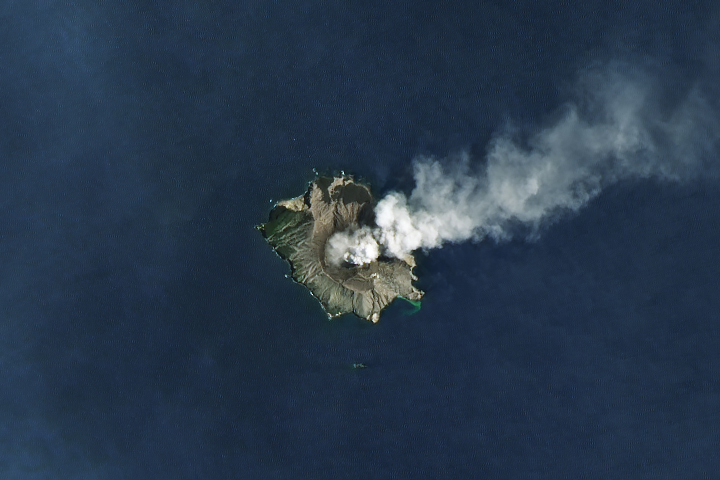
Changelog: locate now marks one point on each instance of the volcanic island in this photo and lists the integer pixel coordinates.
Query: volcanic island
(298, 230)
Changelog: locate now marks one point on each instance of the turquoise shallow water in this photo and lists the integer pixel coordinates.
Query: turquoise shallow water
(414, 306)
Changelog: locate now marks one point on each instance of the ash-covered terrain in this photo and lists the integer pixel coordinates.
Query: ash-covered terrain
(299, 230)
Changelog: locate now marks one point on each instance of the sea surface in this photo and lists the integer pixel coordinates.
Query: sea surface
(147, 331)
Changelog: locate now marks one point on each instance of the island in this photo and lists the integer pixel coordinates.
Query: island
(298, 230)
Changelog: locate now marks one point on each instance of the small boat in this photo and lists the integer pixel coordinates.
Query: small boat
(359, 365)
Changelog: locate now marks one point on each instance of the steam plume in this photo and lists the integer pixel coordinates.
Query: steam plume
(617, 130)
(357, 247)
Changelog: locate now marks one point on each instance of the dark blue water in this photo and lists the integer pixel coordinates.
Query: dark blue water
(147, 331)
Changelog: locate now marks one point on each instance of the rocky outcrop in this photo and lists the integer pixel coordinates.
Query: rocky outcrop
(298, 230)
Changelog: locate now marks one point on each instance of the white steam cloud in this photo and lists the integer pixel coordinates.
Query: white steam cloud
(357, 247)
(618, 131)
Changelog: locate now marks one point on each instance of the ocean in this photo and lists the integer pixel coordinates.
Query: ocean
(148, 331)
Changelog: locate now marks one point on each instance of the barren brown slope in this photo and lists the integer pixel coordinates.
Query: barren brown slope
(298, 230)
